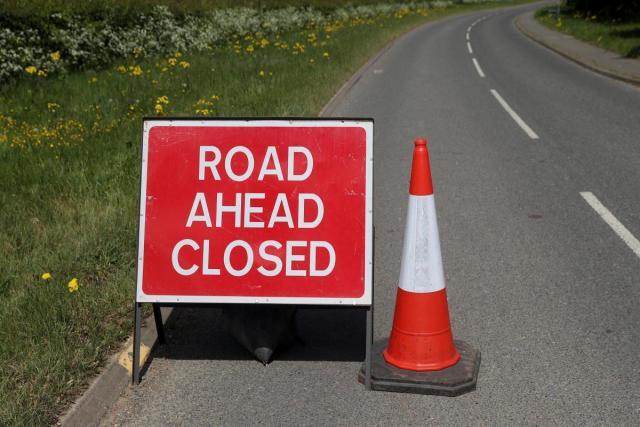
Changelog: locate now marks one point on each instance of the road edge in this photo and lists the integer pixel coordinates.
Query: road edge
(535, 34)
(107, 386)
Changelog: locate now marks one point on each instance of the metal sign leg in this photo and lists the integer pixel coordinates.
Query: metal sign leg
(157, 316)
(367, 360)
(135, 370)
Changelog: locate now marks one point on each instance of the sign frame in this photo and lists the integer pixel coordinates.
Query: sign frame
(367, 124)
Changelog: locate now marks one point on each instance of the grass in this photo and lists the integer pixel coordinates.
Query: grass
(69, 150)
(620, 37)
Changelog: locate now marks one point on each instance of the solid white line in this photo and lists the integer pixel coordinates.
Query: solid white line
(475, 62)
(469, 47)
(514, 115)
(613, 222)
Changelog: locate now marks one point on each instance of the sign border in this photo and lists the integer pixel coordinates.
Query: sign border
(366, 123)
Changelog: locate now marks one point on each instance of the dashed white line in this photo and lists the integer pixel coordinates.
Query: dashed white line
(613, 222)
(478, 69)
(467, 35)
(514, 115)
(469, 47)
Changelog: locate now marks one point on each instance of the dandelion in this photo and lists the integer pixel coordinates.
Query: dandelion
(159, 109)
(162, 100)
(185, 64)
(46, 276)
(31, 70)
(42, 73)
(264, 43)
(52, 107)
(72, 286)
(298, 48)
(178, 54)
(249, 48)
(55, 56)
(172, 61)
(261, 73)
(326, 55)
(135, 70)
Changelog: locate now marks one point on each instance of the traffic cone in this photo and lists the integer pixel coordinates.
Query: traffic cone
(420, 356)
(421, 338)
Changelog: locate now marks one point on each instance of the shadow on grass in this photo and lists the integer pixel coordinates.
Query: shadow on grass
(632, 33)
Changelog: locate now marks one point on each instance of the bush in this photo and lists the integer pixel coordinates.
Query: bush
(607, 9)
(74, 42)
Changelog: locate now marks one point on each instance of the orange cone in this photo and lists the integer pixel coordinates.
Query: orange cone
(421, 338)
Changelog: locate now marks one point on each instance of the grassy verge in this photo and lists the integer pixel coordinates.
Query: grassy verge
(69, 150)
(620, 37)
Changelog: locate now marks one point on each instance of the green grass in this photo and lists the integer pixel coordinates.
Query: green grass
(69, 151)
(620, 37)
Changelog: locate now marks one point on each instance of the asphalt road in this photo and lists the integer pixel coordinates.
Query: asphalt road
(536, 278)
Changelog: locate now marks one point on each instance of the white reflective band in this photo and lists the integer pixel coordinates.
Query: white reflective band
(421, 269)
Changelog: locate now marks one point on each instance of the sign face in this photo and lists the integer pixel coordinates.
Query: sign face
(258, 210)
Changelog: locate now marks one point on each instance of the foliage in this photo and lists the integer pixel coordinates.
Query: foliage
(76, 42)
(622, 37)
(607, 9)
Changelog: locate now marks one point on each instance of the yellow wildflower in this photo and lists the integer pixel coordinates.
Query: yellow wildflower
(31, 70)
(73, 285)
(159, 109)
(172, 61)
(46, 276)
(184, 64)
(135, 70)
(261, 73)
(93, 80)
(326, 55)
(264, 43)
(55, 56)
(249, 48)
(162, 100)
(121, 69)
(42, 73)
(177, 54)
(52, 106)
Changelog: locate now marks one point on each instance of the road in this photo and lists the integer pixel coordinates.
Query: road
(537, 279)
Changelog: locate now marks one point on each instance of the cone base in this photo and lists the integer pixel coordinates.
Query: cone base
(453, 381)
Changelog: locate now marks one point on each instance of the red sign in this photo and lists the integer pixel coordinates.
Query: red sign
(271, 211)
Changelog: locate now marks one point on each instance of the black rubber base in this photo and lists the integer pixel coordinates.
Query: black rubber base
(453, 381)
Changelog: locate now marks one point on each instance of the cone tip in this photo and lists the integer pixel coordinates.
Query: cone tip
(420, 142)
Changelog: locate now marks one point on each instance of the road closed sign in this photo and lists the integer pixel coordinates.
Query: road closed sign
(269, 211)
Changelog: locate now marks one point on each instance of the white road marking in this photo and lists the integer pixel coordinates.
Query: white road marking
(514, 115)
(475, 62)
(613, 222)
(467, 35)
(469, 47)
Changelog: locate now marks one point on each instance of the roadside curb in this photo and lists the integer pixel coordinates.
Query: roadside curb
(106, 388)
(591, 57)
